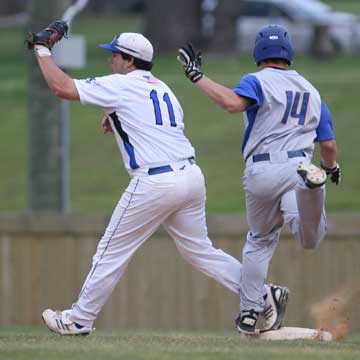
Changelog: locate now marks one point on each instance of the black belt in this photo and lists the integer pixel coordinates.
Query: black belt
(290, 154)
(166, 168)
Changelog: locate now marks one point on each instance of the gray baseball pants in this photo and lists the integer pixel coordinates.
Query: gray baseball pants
(275, 194)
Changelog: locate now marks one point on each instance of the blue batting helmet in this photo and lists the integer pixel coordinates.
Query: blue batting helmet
(273, 42)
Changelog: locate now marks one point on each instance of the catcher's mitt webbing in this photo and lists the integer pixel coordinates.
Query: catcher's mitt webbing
(49, 36)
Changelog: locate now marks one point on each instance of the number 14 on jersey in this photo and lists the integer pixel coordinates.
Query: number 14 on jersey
(296, 106)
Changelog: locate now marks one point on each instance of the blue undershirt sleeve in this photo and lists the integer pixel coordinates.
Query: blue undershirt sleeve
(325, 129)
(249, 86)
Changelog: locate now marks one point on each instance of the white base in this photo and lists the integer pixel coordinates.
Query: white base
(291, 333)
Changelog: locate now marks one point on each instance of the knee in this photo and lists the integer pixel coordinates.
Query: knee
(310, 243)
(309, 246)
(310, 239)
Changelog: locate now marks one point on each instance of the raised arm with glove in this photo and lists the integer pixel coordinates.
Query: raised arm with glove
(43, 41)
(221, 95)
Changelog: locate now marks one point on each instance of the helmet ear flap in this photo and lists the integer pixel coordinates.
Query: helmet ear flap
(273, 42)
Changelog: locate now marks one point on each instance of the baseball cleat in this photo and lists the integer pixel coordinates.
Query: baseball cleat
(312, 175)
(59, 322)
(275, 306)
(246, 321)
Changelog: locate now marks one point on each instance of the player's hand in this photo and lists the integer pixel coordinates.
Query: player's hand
(191, 62)
(335, 173)
(49, 36)
(105, 125)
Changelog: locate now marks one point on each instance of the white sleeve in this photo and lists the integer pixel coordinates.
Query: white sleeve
(102, 91)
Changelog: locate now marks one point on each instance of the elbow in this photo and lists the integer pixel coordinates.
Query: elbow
(63, 92)
(63, 95)
(231, 107)
(58, 91)
(329, 146)
(233, 104)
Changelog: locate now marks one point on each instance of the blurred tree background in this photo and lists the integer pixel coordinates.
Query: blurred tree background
(97, 174)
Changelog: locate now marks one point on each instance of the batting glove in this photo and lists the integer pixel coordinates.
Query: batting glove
(335, 172)
(191, 62)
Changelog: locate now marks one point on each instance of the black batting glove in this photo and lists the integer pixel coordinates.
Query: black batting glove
(335, 172)
(191, 62)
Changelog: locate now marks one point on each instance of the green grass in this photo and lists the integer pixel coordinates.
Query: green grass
(97, 174)
(136, 345)
(345, 5)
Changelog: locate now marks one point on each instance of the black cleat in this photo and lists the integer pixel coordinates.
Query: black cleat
(246, 321)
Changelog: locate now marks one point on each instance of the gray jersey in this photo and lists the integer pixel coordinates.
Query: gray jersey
(285, 115)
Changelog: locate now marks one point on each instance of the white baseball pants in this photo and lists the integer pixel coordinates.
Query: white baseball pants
(175, 199)
(275, 194)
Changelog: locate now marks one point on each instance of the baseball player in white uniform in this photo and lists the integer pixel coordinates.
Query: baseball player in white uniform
(284, 114)
(166, 187)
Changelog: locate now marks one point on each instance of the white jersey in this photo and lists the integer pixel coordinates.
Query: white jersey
(287, 113)
(147, 118)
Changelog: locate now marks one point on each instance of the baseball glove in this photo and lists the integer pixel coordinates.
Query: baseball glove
(49, 36)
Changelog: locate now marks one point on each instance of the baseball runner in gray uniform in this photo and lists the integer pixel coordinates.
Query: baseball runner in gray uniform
(284, 114)
(167, 186)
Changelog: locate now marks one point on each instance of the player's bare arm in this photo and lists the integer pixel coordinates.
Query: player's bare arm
(223, 96)
(60, 83)
(328, 151)
(219, 94)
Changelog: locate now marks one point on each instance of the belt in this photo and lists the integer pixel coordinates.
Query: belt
(166, 168)
(290, 154)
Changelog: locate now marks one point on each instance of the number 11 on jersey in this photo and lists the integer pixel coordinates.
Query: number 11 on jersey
(157, 110)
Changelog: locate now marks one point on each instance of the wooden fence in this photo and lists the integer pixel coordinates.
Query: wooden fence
(44, 260)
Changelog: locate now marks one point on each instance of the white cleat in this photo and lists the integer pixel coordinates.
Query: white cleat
(60, 323)
(312, 175)
(275, 307)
